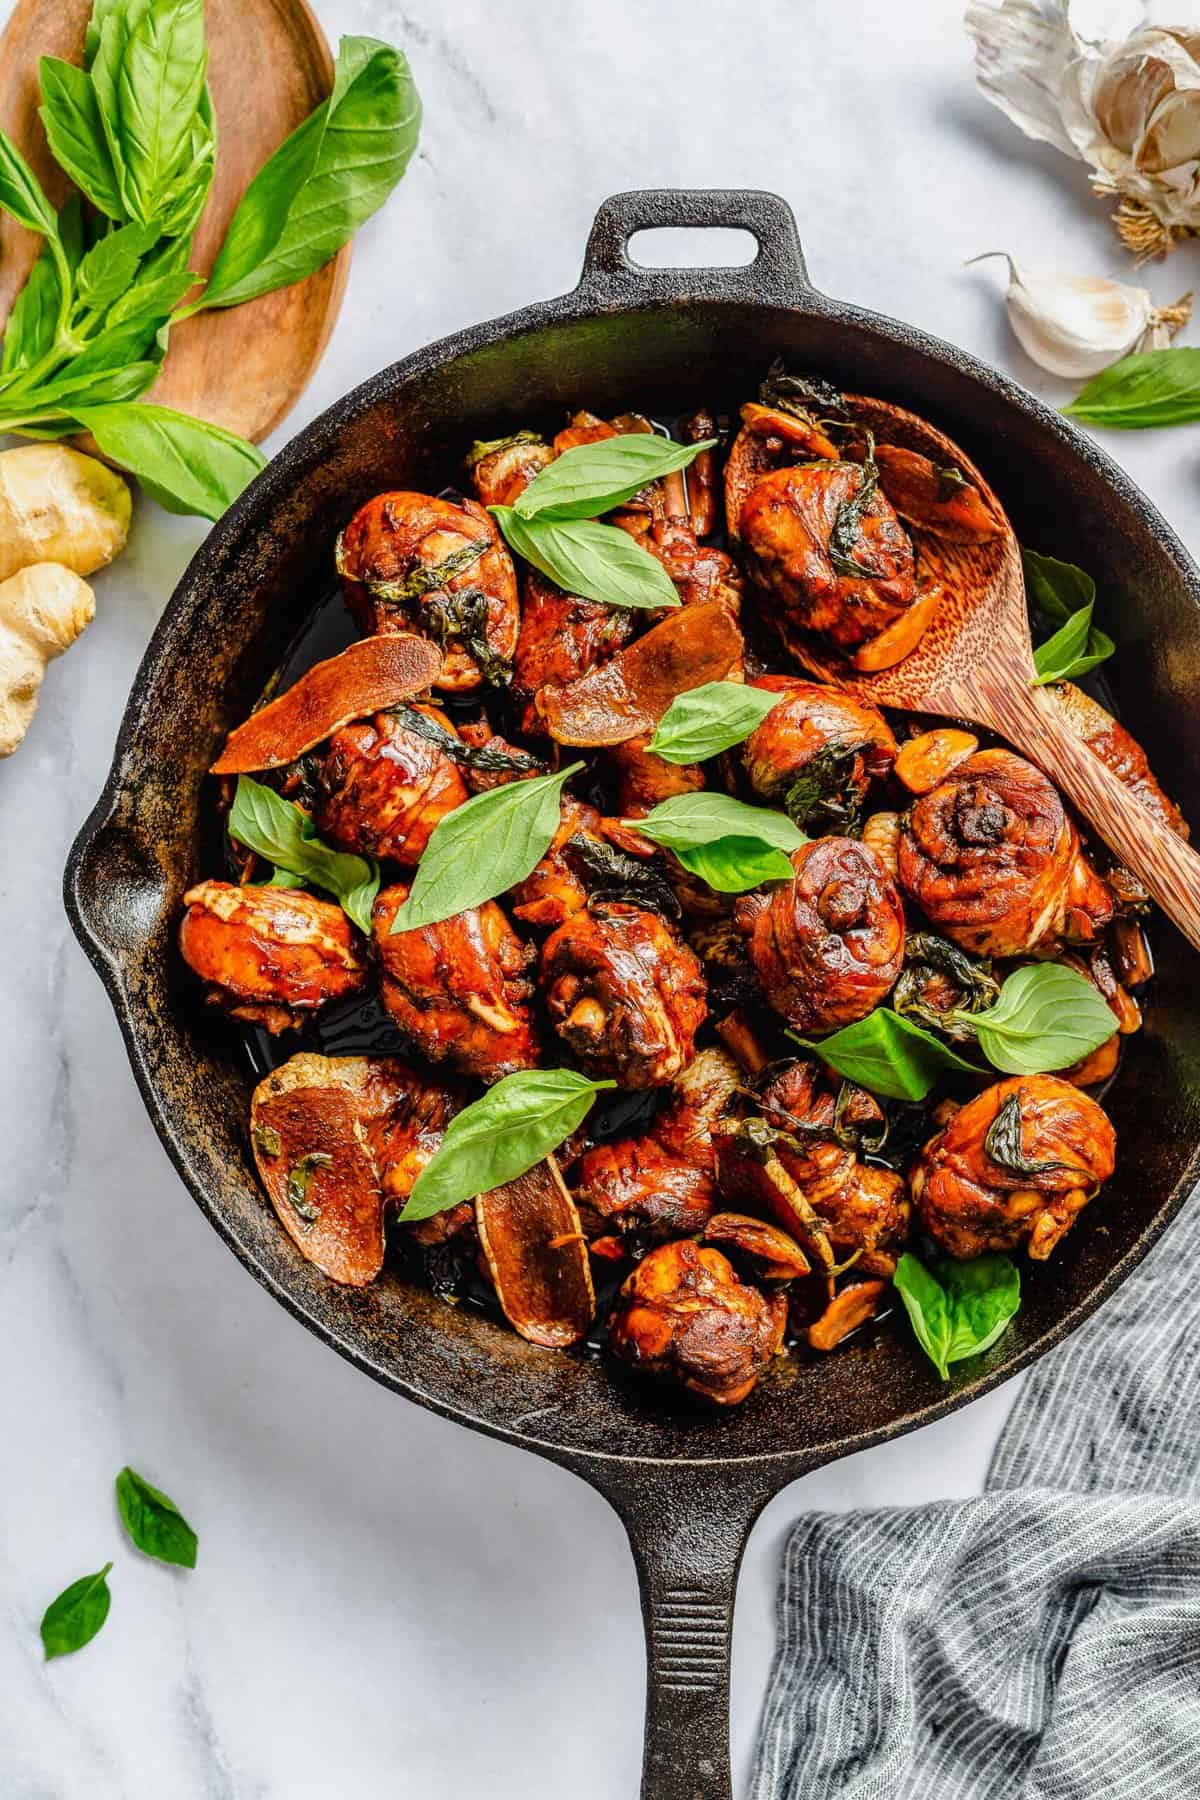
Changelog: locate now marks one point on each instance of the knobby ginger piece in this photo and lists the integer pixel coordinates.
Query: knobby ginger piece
(43, 609)
(59, 506)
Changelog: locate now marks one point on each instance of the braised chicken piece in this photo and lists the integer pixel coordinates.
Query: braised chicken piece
(994, 861)
(386, 783)
(643, 781)
(559, 885)
(409, 562)
(816, 754)
(824, 545)
(1017, 1163)
(704, 1094)
(826, 946)
(684, 1316)
(777, 432)
(700, 571)
(561, 637)
(502, 469)
(459, 991)
(405, 1114)
(268, 955)
(624, 993)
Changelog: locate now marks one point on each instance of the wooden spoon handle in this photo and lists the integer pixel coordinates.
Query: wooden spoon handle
(1027, 718)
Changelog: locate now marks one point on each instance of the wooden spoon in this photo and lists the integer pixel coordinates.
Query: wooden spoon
(976, 662)
(269, 66)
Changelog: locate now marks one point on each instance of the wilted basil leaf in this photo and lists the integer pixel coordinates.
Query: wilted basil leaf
(1047, 1017)
(154, 1523)
(599, 562)
(593, 478)
(517, 1122)
(73, 1620)
(482, 848)
(962, 1309)
(1148, 389)
(278, 831)
(709, 719)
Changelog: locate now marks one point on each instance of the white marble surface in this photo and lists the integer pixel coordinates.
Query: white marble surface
(386, 1604)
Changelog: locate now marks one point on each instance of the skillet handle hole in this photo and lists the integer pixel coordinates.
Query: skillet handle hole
(692, 247)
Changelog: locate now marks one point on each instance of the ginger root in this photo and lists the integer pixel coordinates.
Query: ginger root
(59, 506)
(43, 609)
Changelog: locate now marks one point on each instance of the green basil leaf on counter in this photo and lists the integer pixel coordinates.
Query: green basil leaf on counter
(73, 1620)
(1047, 1017)
(1142, 391)
(731, 846)
(326, 180)
(154, 1523)
(599, 562)
(887, 1054)
(185, 464)
(70, 115)
(279, 832)
(517, 1122)
(482, 848)
(709, 719)
(160, 84)
(1074, 649)
(21, 192)
(962, 1309)
(593, 478)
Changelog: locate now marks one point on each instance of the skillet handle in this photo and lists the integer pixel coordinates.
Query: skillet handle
(688, 1524)
(777, 274)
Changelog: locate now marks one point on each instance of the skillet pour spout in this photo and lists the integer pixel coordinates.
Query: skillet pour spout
(687, 1483)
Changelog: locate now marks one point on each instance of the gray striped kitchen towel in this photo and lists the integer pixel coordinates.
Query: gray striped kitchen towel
(1041, 1642)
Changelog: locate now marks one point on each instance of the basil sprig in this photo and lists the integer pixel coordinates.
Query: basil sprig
(73, 1619)
(1065, 595)
(482, 848)
(709, 719)
(962, 1309)
(1047, 1017)
(154, 1523)
(600, 562)
(517, 1122)
(1148, 389)
(593, 478)
(283, 835)
(887, 1054)
(731, 846)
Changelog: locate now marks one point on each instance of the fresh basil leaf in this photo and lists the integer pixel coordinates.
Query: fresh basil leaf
(709, 719)
(689, 821)
(273, 828)
(1149, 389)
(734, 865)
(961, 1310)
(1057, 589)
(482, 848)
(599, 562)
(887, 1054)
(32, 324)
(154, 1523)
(185, 464)
(593, 478)
(112, 38)
(73, 1620)
(21, 193)
(152, 299)
(108, 269)
(159, 89)
(70, 115)
(1047, 1017)
(517, 1122)
(1075, 648)
(326, 180)
(100, 11)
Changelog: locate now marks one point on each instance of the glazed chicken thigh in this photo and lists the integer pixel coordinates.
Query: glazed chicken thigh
(270, 955)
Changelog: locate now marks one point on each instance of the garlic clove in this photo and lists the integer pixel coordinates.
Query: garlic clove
(1076, 325)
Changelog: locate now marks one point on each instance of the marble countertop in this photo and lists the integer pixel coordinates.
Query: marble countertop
(385, 1603)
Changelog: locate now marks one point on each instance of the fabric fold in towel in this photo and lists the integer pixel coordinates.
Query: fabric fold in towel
(1041, 1642)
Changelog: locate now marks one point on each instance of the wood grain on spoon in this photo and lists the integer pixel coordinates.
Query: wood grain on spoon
(976, 662)
(269, 66)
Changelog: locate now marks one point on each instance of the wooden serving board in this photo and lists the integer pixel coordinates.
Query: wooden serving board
(269, 66)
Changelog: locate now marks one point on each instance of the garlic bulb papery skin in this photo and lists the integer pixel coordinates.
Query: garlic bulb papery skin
(1095, 80)
(1076, 325)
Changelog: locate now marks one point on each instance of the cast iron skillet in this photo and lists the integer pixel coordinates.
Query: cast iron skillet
(687, 1484)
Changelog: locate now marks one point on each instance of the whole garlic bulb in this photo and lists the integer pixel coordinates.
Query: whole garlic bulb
(1076, 325)
(1095, 80)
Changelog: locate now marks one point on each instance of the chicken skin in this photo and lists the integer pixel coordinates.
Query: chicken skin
(644, 781)
(828, 945)
(1019, 1162)
(561, 637)
(624, 993)
(385, 786)
(409, 562)
(993, 859)
(684, 1316)
(459, 991)
(816, 754)
(503, 469)
(270, 955)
